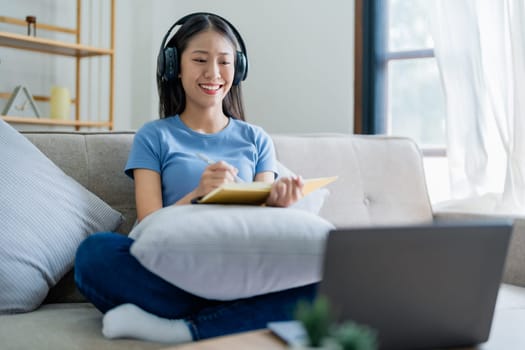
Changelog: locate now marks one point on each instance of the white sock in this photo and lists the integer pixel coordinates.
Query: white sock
(130, 321)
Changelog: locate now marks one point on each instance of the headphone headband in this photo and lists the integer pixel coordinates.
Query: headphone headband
(183, 20)
(167, 61)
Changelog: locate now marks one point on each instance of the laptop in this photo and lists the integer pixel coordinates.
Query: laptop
(419, 287)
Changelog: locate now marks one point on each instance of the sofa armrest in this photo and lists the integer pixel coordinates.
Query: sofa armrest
(514, 272)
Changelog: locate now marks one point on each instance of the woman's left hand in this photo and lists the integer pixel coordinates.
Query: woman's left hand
(285, 191)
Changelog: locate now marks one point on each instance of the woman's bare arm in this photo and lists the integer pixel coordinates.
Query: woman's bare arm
(148, 192)
(148, 187)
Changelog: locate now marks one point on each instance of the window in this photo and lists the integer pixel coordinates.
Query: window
(398, 88)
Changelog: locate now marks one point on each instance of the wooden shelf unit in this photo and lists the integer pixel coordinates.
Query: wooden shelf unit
(75, 50)
(55, 122)
(24, 42)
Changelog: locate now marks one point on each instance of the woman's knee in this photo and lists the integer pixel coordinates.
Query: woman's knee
(98, 251)
(90, 248)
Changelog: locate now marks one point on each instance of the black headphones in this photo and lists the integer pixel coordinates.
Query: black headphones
(168, 59)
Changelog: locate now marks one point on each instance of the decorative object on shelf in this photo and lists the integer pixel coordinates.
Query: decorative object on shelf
(21, 104)
(324, 333)
(60, 103)
(31, 24)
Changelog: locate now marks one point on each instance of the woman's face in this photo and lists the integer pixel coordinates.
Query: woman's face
(207, 69)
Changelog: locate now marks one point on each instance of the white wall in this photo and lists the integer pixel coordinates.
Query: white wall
(135, 55)
(300, 54)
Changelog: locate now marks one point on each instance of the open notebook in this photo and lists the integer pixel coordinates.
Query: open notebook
(255, 193)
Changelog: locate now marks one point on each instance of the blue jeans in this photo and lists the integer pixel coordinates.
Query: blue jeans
(108, 275)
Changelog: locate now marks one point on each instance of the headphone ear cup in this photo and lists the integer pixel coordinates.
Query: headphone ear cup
(169, 64)
(160, 65)
(241, 68)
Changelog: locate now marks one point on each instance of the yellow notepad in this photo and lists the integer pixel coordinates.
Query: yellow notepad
(255, 193)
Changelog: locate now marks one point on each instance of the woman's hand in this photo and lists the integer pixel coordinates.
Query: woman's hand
(285, 191)
(214, 176)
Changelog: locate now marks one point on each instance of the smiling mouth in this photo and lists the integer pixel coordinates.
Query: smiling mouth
(210, 87)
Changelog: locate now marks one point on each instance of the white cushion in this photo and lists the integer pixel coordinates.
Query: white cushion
(44, 214)
(228, 252)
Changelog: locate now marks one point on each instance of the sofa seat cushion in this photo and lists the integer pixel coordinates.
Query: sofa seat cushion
(509, 317)
(75, 326)
(510, 297)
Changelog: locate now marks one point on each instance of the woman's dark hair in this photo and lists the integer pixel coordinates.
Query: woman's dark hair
(172, 98)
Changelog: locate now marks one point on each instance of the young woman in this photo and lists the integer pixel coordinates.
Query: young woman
(198, 77)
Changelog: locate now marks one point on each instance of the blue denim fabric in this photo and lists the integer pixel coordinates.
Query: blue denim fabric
(108, 275)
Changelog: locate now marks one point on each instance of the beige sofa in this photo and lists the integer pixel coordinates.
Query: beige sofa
(381, 181)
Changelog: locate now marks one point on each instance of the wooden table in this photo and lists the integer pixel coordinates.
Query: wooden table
(507, 333)
(262, 339)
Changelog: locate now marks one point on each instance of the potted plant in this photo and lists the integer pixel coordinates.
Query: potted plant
(323, 333)
(352, 336)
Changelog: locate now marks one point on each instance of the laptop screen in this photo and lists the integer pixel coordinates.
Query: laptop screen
(417, 286)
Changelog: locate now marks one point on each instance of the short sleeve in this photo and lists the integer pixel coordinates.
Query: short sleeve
(266, 153)
(145, 152)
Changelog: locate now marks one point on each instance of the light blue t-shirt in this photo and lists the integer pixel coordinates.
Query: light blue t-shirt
(169, 147)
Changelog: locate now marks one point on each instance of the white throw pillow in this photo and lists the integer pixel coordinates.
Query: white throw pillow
(228, 252)
(44, 214)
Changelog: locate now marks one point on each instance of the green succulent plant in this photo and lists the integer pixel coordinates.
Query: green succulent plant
(317, 320)
(352, 336)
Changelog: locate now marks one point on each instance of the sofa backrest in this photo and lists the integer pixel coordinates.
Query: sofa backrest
(381, 179)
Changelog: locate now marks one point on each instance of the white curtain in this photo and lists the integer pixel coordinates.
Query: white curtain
(480, 50)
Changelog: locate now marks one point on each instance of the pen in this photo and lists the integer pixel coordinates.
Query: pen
(210, 162)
